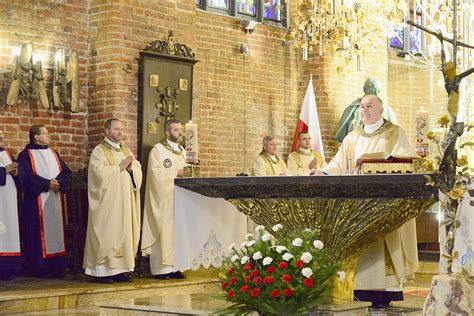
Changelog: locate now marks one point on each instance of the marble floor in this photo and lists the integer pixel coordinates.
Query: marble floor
(79, 297)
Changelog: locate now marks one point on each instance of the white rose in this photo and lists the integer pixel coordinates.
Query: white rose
(287, 256)
(243, 244)
(298, 242)
(257, 255)
(267, 261)
(249, 236)
(318, 244)
(259, 228)
(306, 257)
(341, 275)
(280, 249)
(266, 237)
(277, 227)
(307, 272)
(231, 247)
(244, 260)
(251, 243)
(234, 258)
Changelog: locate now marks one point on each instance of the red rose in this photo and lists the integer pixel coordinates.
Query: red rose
(254, 273)
(270, 270)
(286, 278)
(275, 293)
(231, 271)
(257, 280)
(244, 289)
(299, 264)
(232, 280)
(267, 280)
(288, 292)
(255, 292)
(308, 282)
(283, 265)
(231, 294)
(247, 279)
(224, 285)
(248, 266)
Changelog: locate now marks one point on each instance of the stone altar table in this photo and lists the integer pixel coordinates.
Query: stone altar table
(348, 212)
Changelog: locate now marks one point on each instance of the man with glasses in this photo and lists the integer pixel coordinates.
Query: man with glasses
(9, 227)
(44, 178)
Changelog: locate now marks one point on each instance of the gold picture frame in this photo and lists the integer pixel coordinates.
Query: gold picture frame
(183, 84)
(154, 80)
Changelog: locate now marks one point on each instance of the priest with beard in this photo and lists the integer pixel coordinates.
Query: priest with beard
(304, 161)
(9, 227)
(165, 163)
(113, 226)
(267, 163)
(44, 178)
(385, 265)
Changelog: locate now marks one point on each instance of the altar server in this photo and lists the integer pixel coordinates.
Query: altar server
(386, 264)
(44, 177)
(113, 226)
(166, 162)
(9, 227)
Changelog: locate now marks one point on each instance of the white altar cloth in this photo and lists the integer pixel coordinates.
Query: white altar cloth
(204, 228)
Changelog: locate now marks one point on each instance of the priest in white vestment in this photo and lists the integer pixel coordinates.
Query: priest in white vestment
(166, 162)
(10, 254)
(386, 264)
(113, 227)
(267, 163)
(304, 161)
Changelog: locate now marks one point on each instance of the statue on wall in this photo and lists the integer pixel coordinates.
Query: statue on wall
(28, 80)
(167, 103)
(66, 81)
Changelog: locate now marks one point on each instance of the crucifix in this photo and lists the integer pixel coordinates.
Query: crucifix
(448, 161)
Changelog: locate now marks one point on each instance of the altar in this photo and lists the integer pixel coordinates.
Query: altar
(349, 212)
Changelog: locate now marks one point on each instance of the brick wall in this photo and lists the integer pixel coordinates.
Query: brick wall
(48, 26)
(237, 99)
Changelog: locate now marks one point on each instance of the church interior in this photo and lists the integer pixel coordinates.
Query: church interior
(232, 72)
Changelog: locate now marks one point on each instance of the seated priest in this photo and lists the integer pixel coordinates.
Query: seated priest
(304, 161)
(267, 162)
(44, 178)
(386, 264)
(165, 163)
(9, 227)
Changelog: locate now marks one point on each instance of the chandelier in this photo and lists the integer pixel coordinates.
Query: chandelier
(348, 26)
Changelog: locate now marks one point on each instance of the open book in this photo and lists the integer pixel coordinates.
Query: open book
(382, 158)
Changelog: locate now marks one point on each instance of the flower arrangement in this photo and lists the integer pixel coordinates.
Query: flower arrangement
(278, 276)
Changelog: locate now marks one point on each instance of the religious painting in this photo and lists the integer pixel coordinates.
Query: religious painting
(183, 84)
(154, 80)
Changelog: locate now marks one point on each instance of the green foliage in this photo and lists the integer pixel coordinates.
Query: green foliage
(283, 276)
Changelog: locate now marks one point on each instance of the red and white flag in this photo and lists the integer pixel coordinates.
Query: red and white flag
(309, 122)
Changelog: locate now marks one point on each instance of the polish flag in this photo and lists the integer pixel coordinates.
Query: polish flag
(309, 122)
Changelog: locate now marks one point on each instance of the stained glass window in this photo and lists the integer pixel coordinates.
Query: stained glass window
(272, 10)
(198, 3)
(219, 4)
(415, 43)
(398, 40)
(247, 7)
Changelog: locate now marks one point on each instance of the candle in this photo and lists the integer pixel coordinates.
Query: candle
(422, 120)
(191, 142)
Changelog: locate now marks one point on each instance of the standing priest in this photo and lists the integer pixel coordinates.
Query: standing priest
(267, 163)
(165, 163)
(9, 227)
(113, 226)
(44, 177)
(386, 264)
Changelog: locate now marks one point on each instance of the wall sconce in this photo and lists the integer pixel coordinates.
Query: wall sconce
(66, 81)
(244, 49)
(28, 80)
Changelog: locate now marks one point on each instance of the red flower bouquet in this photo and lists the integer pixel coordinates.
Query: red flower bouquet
(284, 276)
